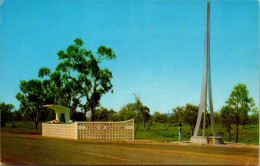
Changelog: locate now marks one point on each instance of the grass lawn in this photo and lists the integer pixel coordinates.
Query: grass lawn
(160, 132)
(23, 127)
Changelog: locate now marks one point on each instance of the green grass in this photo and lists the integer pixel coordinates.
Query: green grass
(161, 132)
(23, 127)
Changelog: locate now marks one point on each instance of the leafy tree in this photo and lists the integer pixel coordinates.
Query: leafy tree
(115, 116)
(83, 71)
(190, 115)
(178, 115)
(78, 116)
(32, 98)
(254, 118)
(142, 111)
(160, 118)
(217, 118)
(244, 118)
(17, 115)
(137, 111)
(128, 112)
(240, 103)
(6, 114)
(61, 90)
(46, 114)
(171, 120)
(103, 114)
(227, 118)
(157, 116)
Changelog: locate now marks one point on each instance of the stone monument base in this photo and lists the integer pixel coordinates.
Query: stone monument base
(199, 139)
(206, 140)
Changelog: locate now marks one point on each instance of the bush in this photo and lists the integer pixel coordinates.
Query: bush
(6, 114)
(78, 116)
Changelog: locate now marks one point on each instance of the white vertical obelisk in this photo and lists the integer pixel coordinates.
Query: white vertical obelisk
(206, 88)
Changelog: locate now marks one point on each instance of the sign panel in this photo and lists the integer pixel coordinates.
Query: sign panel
(106, 131)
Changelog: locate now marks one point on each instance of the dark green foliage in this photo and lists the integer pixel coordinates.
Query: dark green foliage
(17, 115)
(127, 112)
(34, 95)
(190, 114)
(171, 120)
(227, 118)
(240, 102)
(160, 118)
(217, 117)
(254, 118)
(103, 114)
(135, 110)
(78, 116)
(83, 74)
(6, 114)
(178, 114)
(207, 120)
(46, 114)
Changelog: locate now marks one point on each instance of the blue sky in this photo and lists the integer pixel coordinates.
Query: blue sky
(159, 46)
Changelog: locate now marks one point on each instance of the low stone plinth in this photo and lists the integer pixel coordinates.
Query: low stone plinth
(215, 140)
(199, 139)
(206, 140)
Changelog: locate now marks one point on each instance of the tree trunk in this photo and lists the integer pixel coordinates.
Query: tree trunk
(92, 114)
(13, 125)
(191, 130)
(229, 134)
(137, 125)
(237, 133)
(36, 120)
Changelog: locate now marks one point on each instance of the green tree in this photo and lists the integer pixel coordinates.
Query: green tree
(32, 98)
(83, 70)
(244, 118)
(17, 115)
(78, 116)
(137, 111)
(157, 117)
(178, 115)
(190, 115)
(254, 118)
(103, 114)
(114, 117)
(128, 112)
(171, 120)
(240, 103)
(217, 117)
(6, 114)
(227, 118)
(60, 89)
(143, 112)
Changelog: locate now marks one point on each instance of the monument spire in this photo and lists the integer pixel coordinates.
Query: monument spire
(206, 91)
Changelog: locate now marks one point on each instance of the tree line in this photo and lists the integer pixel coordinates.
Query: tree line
(236, 111)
